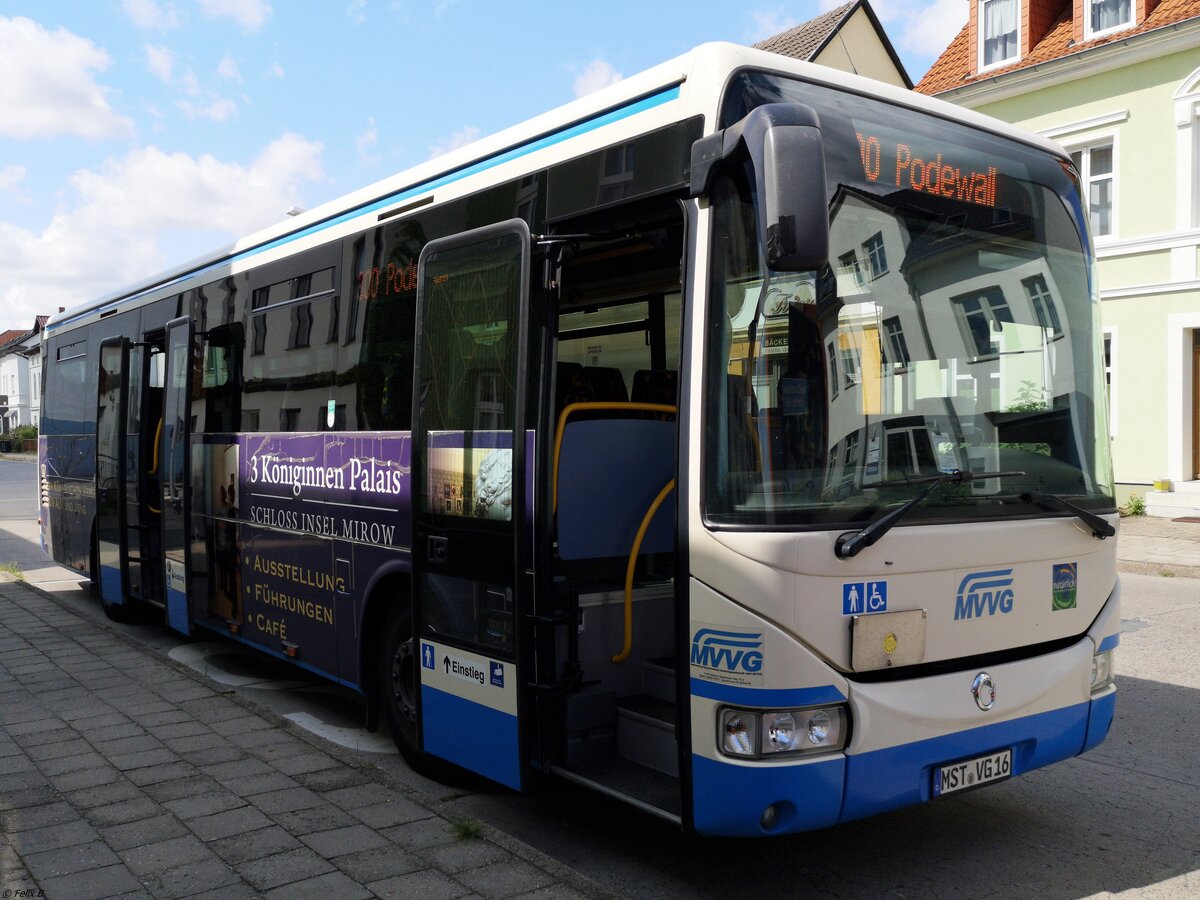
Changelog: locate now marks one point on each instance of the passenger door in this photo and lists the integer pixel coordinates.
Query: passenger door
(111, 533)
(174, 471)
(472, 496)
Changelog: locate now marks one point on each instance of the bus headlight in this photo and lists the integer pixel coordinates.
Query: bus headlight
(1102, 670)
(755, 734)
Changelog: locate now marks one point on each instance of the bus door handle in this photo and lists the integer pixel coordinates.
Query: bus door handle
(439, 550)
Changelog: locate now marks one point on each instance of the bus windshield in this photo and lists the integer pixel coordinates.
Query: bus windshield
(956, 328)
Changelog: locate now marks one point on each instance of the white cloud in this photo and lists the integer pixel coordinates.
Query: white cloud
(228, 69)
(460, 138)
(214, 108)
(249, 14)
(121, 217)
(161, 62)
(47, 88)
(274, 70)
(929, 30)
(366, 141)
(596, 75)
(11, 176)
(357, 11)
(149, 15)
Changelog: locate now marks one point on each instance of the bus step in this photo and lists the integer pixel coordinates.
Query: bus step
(658, 678)
(646, 733)
(590, 715)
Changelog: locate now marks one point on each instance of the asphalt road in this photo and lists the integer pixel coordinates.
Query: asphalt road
(1123, 818)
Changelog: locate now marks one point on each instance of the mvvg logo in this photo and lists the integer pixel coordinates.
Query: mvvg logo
(984, 593)
(731, 651)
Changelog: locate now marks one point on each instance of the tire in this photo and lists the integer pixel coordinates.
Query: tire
(396, 668)
(396, 672)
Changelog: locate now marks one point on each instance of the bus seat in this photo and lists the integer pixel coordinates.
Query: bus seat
(610, 470)
(654, 386)
(569, 386)
(606, 384)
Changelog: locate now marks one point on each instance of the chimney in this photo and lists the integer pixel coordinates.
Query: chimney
(62, 309)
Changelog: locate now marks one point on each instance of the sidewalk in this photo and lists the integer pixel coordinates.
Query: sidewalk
(122, 773)
(1151, 546)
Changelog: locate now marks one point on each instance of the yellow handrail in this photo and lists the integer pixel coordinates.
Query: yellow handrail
(154, 468)
(598, 405)
(633, 554)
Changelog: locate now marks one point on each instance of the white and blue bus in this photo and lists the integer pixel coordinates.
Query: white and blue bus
(732, 440)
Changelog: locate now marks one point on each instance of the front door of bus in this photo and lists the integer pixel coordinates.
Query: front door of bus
(472, 495)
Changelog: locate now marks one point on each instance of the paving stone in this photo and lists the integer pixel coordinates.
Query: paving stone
(339, 841)
(393, 812)
(302, 763)
(504, 879)
(253, 845)
(189, 727)
(284, 868)
(124, 745)
(73, 781)
(428, 884)
(18, 781)
(64, 764)
(240, 768)
(188, 786)
(224, 824)
(315, 818)
(421, 834)
(469, 853)
(242, 724)
(69, 860)
(331, 778)
(143, 759)
(361, 795)
(213, 756)
(140, 832)
(106, 882)
(55, 751)
(558, 891)
(52, 837)
(19, 819)
(183, 881)
(156, 774)
(45, 734)
(169, 716)
(165, 855)
(239, 890)
(249, 785)
(193, 743)
(205, 804)
(335, 884)
(121, 813)
(286, 801)
(382, 862)
(116, 732)
(20, 763)
(117, 792)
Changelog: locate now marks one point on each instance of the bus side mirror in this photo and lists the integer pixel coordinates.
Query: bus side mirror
(786, 151)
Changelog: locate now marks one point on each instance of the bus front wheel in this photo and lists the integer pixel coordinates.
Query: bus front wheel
(397, 672)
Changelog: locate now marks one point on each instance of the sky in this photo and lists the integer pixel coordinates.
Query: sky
(139, 134)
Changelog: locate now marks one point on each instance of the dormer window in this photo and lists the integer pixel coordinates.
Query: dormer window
(998, 34)
(1104, 16)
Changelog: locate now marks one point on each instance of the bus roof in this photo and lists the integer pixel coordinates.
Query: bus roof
(697, 77)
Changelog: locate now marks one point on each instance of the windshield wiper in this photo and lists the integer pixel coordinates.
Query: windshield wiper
(853, 543)
(1100, 528)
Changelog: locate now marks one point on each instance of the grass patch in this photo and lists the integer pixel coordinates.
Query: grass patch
(12, 569)
(468, 828)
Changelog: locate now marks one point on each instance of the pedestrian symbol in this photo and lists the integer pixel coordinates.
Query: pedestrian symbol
(427, 656)
(861, 597)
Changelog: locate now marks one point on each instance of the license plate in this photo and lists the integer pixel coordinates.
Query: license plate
(972, 773)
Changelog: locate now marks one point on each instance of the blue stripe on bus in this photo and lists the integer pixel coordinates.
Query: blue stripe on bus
(488, 162)
(729, 798)
(778, 698)
(882, 780)
(1109, 643)
(471, 735)
(110, 586)
(177, 611)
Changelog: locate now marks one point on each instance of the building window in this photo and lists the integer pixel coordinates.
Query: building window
(850, 365)
(980, 315)
(998, 34)
(1043, 304)
(1108, 15)
(1095, 165)
(850, 272)
(302, 322)
(896, 342)
(876, 255)
(833, 367)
